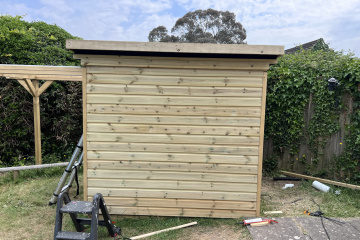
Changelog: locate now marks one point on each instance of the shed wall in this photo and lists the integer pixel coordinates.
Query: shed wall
(175, 136)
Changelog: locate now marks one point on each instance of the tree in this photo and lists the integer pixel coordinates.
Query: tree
(37, 43)
(202, 26)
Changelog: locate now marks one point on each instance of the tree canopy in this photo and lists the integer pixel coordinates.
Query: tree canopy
(37, 43)
(202, 26)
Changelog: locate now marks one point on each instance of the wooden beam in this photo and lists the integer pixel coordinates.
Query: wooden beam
(31, 87)
(207, 48)
(37, 126)
(340, 184)
(58, 73)
(44, 87)
(261, 144)
(23, 83)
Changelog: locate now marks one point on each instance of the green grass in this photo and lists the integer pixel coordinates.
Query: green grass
(25, 213)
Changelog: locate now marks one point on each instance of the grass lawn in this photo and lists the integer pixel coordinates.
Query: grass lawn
(25, 213)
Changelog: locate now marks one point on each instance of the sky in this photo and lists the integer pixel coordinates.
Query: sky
(267, 22)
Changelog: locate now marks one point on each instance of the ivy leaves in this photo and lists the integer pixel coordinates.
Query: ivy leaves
(300, 80)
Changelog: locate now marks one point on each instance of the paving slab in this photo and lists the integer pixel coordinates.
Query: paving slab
(314, 228)
(285, 229)
(306, 228)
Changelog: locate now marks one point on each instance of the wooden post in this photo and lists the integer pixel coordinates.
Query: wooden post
(32, 86)
(37, 127)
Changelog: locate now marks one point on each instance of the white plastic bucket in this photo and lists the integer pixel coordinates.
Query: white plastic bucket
(320, 186)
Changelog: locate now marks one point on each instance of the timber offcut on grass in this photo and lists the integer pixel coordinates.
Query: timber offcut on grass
(340, 184)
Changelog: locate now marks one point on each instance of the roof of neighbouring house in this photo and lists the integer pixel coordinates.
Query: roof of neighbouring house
(305, 46)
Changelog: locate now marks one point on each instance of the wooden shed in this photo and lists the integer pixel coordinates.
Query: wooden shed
(174, 129)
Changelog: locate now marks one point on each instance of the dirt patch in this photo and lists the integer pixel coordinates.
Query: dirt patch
(291, 201)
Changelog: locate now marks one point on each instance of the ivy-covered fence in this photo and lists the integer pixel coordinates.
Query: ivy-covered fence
(310, 129)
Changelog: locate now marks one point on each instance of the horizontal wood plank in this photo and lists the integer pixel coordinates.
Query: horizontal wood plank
(178, 203)
(173, 157)
(163, 175)
(181, 212)
(174, 148)
(173, 100)
(172, 185)
(206, 48)
(156, 90)
(175, 110)
(176, 167)
(169, 62)
(116, 72)
(174, 120)
(171, 129)
(178, 194)
(173, 138)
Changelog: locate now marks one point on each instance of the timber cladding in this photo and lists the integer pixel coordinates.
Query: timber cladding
(179, 135)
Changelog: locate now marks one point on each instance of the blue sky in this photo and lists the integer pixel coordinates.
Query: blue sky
(267, 22)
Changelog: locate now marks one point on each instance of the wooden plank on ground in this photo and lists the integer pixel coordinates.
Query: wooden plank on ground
(326, 181)
(173, 185)
(178, 194)
(174, 120)
(173, 138)
(178, 203)
(175, 110)
(212, 79)
(163, 175)
(173, 157)
(177, 167)
(171, 129)
(174, 100)
(174, 148)
(156, 90)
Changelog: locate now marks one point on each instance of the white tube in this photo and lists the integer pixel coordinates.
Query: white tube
(320, 186)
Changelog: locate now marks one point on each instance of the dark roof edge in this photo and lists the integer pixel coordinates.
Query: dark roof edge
(172, 54)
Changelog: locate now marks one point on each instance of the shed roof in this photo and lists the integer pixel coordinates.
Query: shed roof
(175, 49)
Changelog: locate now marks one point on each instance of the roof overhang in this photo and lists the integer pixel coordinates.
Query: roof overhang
(175, 49)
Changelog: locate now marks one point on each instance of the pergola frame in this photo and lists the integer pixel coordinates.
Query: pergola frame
(28, 76)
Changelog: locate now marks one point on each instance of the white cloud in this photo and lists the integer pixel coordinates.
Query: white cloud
(277, 22)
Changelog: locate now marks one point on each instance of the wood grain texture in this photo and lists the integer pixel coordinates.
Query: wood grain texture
(59, 73)
(156, 90)
(176, 167)
(175, 120)
(173, 138)
(175, 110)
(172, 157)
(172, 72)
(178, 203)
(171, 62)
(165, 175)
(172, 185)
(182, 212)
(178, 194)
(171, 129)
(174, 148)
(276, 50)
(173, 100)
